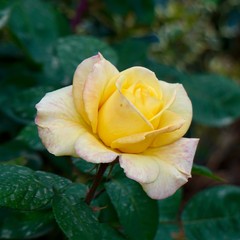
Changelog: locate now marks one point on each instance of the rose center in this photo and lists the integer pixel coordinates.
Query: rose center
(144, 98)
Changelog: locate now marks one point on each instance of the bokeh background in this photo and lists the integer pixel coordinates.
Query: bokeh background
(196, 43)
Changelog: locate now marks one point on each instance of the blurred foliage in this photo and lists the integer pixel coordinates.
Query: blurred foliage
(196, 43)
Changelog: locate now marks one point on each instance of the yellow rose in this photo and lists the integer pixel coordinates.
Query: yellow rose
(132, 115)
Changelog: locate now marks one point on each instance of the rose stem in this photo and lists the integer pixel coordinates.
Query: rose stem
(90, 195)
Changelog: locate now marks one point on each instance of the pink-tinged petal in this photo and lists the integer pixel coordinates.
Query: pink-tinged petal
(166, 185)
(141, 168)
(180, 107)
(90, 80)
(91, 149)
(138, 143)
(64, 132)
(80, 76)
(59, 123)
(172, 162)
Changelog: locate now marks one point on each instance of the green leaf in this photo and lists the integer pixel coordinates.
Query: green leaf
(11, 150)
(22, 188)
(110, 233)
(16, 152)
(215, 99)
(74, 216)
(91, 168)
(72, 50)
(84, 166)
(4, 16)
(34, 26)
(24, 111)
(138, 46)
(164, 72)
(204, 171)
(20, 225)
(108, 213)
(137, 213)
(29, 136)
(169, 207)
(168, 216)
(213, 214)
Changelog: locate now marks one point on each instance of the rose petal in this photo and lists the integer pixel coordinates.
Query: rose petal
(141, 75)
(118, 118)
(94, 87)
(58, 122)
(181, 106)
(138, 143)
(91, 149)
(172, 162)
(141, 168)
(141, 87)
(80, 76)
(167, 100)
(90, 79)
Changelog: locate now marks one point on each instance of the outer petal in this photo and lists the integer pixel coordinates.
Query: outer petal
(173, 164)
(58, 122)
(90, 79)
(138, 143)
(181, 106)
(63, 131)
(91, 149)
(141, 168)
(80, 76)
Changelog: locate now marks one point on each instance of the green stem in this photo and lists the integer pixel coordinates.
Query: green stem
(91, 193)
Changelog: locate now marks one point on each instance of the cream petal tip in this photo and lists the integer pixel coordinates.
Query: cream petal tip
(139, 167)
(92, 150)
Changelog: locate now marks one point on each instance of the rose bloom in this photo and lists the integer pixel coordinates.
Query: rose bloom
(131, 115)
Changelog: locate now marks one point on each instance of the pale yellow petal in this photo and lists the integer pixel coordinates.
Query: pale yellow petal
(141, 87)
(91, 149)
(141, 75)
(118, 118)
(138, 143)
(174, 163)
(58, 122)
(140, 168)
(80, 76)
(161, 171)
(101, 74)
(167, 100)
(181, 107)
(167, 183)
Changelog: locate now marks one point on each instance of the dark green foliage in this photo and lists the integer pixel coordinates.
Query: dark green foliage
(215, 98)
(22, 106)
(24, 224)
(83, 47)
(132, 205)
(34, 28)
(168, 225)
(21, 188)
(213, 214)
(75, 218)
(204, 171)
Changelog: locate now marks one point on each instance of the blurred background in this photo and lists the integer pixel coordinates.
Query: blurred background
(196, 43)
